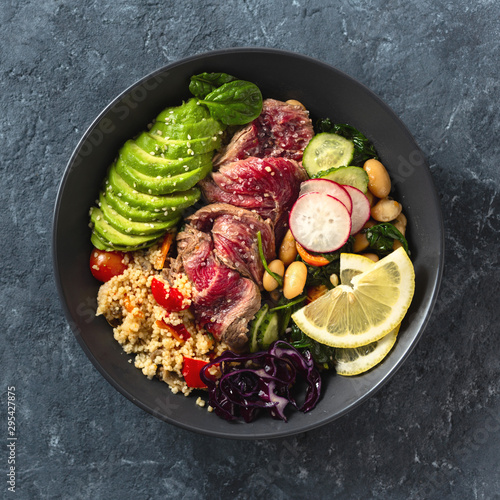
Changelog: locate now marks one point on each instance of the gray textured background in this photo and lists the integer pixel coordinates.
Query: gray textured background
(432, 432)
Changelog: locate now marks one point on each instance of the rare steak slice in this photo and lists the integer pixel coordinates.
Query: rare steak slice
(281, 130)
(234, 234)
(223, 300)
(268, 186)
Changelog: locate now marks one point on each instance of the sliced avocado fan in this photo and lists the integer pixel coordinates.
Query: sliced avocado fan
(154, 178)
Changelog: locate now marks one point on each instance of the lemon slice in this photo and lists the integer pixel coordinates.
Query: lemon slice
(367, 309)
(352, 264)
(358, 360)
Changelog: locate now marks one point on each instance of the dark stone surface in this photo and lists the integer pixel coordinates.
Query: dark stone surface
(432, 432)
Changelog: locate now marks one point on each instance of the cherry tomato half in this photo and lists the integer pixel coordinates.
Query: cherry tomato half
(169, 298)
(191, 372)
(105, 265)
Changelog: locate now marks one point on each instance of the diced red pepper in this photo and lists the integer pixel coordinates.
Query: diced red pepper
(180, 332)
(169, 298)
(191, 372)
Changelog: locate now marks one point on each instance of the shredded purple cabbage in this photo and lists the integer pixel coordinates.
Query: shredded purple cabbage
(261, 381)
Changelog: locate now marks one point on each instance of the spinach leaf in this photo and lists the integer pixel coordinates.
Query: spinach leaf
(363, 148)
(201, 85)
(234, 103)
(381, 238)
(323, 355)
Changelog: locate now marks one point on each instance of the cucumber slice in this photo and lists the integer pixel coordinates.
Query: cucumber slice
(325, 151)
(268, 331)
(347, 176)
(254, 328)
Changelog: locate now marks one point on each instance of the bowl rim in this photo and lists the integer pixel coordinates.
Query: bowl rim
(231, 432)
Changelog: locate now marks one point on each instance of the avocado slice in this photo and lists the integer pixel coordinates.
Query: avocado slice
(187, 131)
(130, 212)
(114, 237)
(128, 226)
(162, 185)
(175, 148)
(190, 111)
(134, 156)
(103, 244)
(149, 202)
(154, 178)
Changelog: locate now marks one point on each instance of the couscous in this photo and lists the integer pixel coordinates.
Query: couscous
(146, 329)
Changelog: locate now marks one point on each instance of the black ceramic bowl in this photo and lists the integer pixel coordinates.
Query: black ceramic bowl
(326, 92)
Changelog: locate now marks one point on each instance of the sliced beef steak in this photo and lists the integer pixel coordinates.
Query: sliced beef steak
(281, 130)
(234, 233)
(269, 186)
(217, 250)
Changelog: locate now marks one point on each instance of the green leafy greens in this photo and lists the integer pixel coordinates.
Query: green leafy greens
(201, 85)
(229, 100)
(363, 148)
(323, 355)
(234, 103)
(381, 238)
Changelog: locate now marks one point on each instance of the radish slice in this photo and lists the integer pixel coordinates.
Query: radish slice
(329, 187)
(360, 209)
(320, 222)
